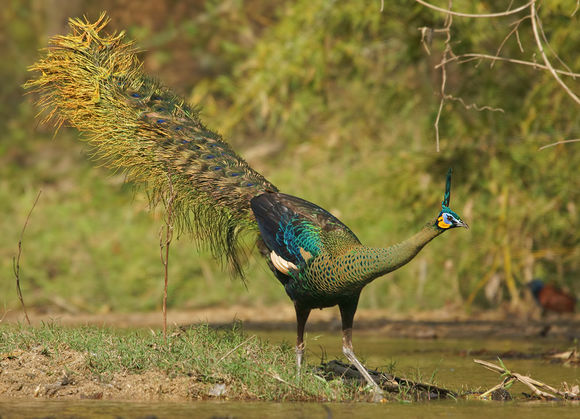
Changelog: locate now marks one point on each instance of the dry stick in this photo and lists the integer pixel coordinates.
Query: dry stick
(536, 27)
(465, 58)
(446, 52)
(516, 25)
(6, 311)
(575, 140)
(164, 243)
(475, 15)
(16, 259)
(505, 383)
(552, 49)
(232, 351)
(474, 105)
(534, 385)
(277, 377)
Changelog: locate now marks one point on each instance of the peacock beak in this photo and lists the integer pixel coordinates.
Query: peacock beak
(461, 224)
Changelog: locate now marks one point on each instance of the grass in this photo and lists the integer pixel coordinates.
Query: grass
(249, 367)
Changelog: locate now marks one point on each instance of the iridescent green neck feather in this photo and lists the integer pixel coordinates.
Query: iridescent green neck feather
(385, 260)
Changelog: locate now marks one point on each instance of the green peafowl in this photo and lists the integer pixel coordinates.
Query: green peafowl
(95, 82)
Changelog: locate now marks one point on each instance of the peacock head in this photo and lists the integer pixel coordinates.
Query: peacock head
(447, 219)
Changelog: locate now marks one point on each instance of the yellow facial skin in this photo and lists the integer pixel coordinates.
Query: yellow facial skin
(441, 223)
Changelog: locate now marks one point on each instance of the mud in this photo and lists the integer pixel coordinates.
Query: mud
(43, 375)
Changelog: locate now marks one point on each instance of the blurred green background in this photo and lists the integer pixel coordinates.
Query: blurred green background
(333, 102)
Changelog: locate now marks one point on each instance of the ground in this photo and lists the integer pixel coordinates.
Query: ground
(62, 373)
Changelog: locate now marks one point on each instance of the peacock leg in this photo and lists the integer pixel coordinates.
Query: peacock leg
(302, 314)
(347, 311)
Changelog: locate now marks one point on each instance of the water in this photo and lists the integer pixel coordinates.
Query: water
(448, 361)
(215, 410)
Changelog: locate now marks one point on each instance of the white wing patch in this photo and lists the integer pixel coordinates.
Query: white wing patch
(280, 264)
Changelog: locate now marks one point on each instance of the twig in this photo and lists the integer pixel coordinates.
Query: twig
(164, 244)
(516, 24)
(507, 381)
(575, 140)
(536, 27)
(6, 311)
(474, 105)
(552, 50)
(482, 15)
(236, 347)
(446, 53)
(465, 58)
(277, 377)
(16, 259)
(536, 386)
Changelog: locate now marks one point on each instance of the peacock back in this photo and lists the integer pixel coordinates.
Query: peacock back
(318, 259)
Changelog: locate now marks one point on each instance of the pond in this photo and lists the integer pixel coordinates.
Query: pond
(448, 409)
(449, 360)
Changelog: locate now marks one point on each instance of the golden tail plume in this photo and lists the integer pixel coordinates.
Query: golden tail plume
(95, 82)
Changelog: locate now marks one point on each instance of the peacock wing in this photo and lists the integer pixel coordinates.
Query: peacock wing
(297, 230)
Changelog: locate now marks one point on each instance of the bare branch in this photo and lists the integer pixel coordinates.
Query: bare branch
(474, 105)
(577, 7)
(16, 259)
(516, 25)
(426, 38)
(552, 49)
(465, 58)
(447, 52)
(575, 140)
(536, 23)
(536, 386)
(483, 15)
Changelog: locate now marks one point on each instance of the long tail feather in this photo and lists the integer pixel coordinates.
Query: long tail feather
(95, 83)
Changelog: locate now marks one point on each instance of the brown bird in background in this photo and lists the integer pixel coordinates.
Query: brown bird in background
(551, 298)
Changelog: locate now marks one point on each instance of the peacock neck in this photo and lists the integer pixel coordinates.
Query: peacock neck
(385, 260)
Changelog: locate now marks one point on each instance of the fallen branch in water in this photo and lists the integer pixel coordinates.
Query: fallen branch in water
(387, 382)
(541, 390)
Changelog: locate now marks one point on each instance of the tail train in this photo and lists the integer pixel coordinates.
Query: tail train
(95, 83)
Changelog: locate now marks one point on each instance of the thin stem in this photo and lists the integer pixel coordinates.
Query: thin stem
(536, 27)
(464, 58)
(164, 244)
(16, 259)
(447, 52)
(575, 140)
(482, 15)
(476, 15)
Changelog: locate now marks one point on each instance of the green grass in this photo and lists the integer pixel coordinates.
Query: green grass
(249, 367)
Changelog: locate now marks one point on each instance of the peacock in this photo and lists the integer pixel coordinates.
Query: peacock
(93, 81)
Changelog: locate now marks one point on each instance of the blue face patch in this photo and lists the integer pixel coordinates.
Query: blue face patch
(447, 218)
(447, 210)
